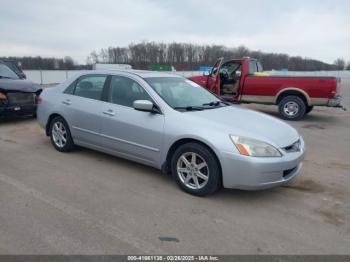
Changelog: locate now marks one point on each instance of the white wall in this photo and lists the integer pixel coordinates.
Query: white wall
(58, 76)
(50, 76)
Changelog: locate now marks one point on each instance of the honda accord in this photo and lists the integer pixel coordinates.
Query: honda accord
(171, 123)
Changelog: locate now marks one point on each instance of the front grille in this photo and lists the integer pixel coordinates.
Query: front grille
(18, 98)
(295, 147)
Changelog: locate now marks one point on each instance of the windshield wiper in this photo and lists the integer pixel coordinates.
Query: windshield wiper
(216, 103)
(5, 77)
(189, 108)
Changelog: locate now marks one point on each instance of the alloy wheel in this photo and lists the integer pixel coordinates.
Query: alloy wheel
(192, 170)
(59, 134)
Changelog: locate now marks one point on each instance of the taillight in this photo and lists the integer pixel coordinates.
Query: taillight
(2, 96)
(39, 100)
(334, 90)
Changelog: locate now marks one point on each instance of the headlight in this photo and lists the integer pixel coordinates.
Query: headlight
(252, 147)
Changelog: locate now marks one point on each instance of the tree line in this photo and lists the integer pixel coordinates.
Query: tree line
(183, 56)
(50, 63)
(186, 56)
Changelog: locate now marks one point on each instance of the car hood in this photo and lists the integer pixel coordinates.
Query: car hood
(236, 120)
(19, 85)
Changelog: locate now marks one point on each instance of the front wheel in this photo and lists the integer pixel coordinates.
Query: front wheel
(60, 135)
(196, 169)
(292, 108)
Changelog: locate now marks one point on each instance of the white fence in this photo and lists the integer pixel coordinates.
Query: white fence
(50, 76)
(58, 76)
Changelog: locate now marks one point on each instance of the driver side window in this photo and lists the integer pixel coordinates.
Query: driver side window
(124, 91)
(216, 67)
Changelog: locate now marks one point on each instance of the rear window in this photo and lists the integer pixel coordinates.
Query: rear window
(88, 86)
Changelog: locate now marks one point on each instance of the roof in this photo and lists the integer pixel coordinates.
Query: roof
(140, 73)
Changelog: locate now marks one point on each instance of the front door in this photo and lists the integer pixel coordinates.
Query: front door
(130, 133)
(213, 83)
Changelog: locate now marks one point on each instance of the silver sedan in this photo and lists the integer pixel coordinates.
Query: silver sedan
(173, 124)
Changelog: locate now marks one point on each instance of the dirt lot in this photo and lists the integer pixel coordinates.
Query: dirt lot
(87, 202)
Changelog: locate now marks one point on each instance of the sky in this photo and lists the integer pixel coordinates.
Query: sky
(308, 28)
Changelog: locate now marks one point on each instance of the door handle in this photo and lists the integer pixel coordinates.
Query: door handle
(109, 112)
(67, 102)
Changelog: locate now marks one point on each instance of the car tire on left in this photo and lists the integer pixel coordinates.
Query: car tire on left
(60, 135)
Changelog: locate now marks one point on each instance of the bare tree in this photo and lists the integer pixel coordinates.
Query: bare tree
(348, 66)
(340, 63)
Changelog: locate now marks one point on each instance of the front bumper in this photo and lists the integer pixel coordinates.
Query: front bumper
(254, 173)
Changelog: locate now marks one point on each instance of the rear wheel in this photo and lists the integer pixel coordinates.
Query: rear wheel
(292, 108)
(196, 169)
(60, 135)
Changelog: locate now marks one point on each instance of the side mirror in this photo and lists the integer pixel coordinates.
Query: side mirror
(238, 73)
(143, 105)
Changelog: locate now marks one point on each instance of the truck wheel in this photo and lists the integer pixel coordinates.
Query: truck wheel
(309, 109)
(196, 169)
(292, 108)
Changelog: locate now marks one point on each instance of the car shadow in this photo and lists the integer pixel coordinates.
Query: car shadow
(16, 120)
(120, 162)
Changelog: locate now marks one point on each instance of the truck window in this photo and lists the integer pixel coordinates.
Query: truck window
(252, 67)
(260, 68)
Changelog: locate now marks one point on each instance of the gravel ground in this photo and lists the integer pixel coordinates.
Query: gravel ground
(86, 202)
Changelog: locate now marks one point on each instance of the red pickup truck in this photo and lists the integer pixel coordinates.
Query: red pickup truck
(243, 80)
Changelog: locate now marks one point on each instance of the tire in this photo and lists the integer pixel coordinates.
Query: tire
(292, 108)
(59, 131)
(309, 109)
(205, 166)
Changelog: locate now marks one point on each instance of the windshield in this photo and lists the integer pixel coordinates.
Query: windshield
(6, 72)
(181, 93)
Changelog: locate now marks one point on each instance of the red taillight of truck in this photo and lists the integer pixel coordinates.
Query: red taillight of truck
(335, 87)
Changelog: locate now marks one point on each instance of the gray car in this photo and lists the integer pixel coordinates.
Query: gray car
(171, 123)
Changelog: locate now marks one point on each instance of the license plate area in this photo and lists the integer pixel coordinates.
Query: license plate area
(18, 98)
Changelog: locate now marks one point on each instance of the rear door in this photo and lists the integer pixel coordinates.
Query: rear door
(130, 133)
(82, 108)
(213, 83)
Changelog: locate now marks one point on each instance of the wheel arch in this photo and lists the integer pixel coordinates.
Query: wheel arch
(52, 116)
(293, 91)
(176, 144)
